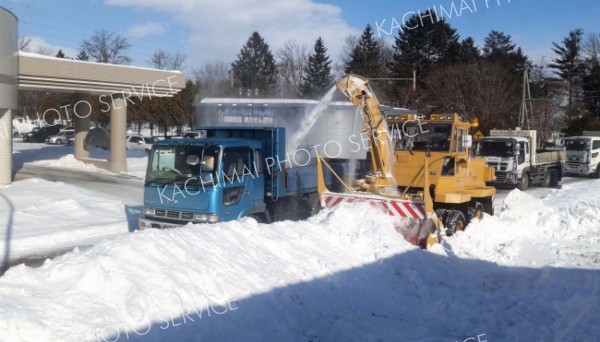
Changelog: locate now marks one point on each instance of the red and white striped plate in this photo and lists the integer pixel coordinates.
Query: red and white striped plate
(398, 208)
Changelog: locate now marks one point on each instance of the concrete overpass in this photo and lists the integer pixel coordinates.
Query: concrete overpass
(116, 86)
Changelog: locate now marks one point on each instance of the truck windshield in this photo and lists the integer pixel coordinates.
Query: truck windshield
(577, 145)
(495, 149)
(422, 136)
(178, 164)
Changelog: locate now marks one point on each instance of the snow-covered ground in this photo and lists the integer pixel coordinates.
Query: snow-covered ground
(38, 217)
(61, 156)
(532, 272)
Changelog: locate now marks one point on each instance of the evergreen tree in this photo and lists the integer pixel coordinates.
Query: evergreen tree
(317, 78)
(568, 63)
(591, 90)
(82, 56)
(427, 45)
(498, 48)
(468, 51)
(60, 54)
(255, 69)
(365, 59)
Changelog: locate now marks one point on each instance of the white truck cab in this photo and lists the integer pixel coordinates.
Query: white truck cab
(582, 154)
(518, 162)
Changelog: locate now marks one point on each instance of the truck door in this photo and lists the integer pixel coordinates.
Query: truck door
(236, 182)
(594, 154)
(523, 152)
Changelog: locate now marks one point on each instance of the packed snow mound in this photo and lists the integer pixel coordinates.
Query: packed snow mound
(154, 274)
(341, 275)
(562, 229)
(68, 162)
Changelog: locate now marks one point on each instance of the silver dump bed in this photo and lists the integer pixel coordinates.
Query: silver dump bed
(337, 129)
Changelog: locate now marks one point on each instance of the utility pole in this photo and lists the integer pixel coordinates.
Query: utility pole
(525, 112)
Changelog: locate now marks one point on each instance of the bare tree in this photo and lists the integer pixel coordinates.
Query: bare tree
(483, 89)
(214, 79)
(24, 43)
(107, 47)
(345, 54)
(165, 61)
(292, 58)
(591, 46)
(44, 50)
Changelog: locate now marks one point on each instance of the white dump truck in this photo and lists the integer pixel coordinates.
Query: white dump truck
(518, 162)
(582, 155)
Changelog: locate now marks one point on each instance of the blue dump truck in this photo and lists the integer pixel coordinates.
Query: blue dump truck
(231, 173)
(250, 158)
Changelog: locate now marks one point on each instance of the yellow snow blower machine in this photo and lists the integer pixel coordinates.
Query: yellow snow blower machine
(421, 171)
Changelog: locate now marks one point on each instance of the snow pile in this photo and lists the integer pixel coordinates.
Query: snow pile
(339, 276)
(562, 230)
(143, 281)
(68, 162)
(37, 216)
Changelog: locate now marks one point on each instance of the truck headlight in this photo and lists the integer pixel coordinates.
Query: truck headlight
(149, 211)
(206, 218)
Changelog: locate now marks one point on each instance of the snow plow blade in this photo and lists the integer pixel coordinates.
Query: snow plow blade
(414, 218)
(410, 217)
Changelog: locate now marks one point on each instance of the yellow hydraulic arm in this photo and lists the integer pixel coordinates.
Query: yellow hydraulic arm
(357, 90)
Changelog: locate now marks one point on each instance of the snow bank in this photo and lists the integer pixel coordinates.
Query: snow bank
(561, 230)
(529, 273)
(154, 276)
(339, 276)
(68, 162)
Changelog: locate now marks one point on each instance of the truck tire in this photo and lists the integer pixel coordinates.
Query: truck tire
(455, 221)
(554, 177)
(488, 206)
(441, 215)
(523, 184)
(475, 210)
(547, 180)
(260, 218)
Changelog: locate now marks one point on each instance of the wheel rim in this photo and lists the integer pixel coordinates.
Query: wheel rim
(460, 225)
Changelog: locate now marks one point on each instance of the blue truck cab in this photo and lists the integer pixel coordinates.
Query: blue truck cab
(229, 173)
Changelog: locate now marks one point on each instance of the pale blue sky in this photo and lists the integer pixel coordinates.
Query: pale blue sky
(216, 30)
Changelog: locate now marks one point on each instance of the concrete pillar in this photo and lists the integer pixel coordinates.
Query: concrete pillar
(5, 146)
(82, 126)
(118, 135)
(9, 69)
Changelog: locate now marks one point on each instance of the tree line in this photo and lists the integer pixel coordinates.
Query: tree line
(453, 74)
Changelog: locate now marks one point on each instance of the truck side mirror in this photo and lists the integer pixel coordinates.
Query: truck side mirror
(208, 163)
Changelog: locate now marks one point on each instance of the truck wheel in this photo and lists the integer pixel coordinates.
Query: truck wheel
(441, 214)
(455, 221)
(260, 218)
(476, 211)
(488, 206)
(547, 179)
(523, 184)
(554, 176)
